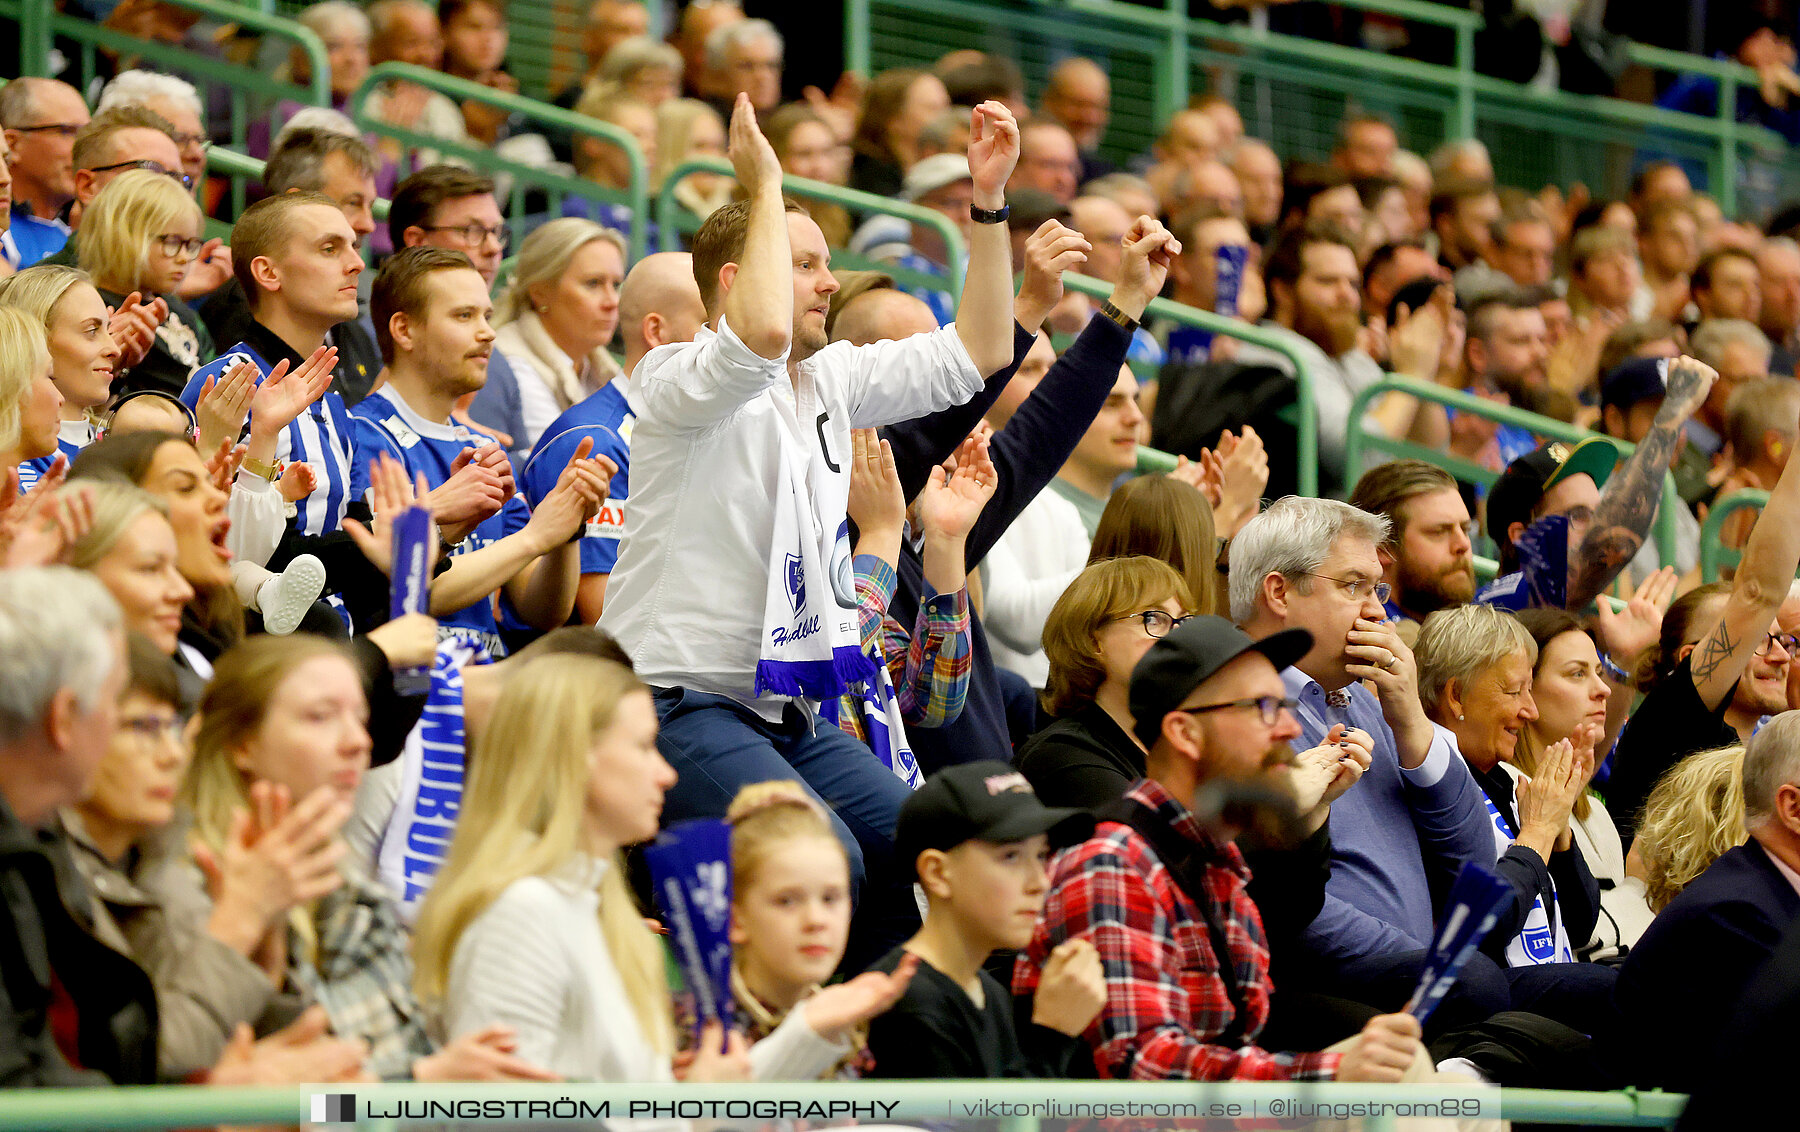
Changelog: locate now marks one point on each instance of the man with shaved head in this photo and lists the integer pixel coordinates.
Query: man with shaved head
(658, 304)
(882, 314)
(1049, 161)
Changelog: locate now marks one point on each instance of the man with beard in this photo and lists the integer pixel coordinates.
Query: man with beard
(1161, 890)
(1314, 292)
(431, 311)
(1427, 559)
(1417, 815)
(1508, 351)
(1562, 541)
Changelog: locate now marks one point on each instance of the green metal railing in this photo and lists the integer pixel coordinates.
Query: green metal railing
(1293, 91)
(1715, 556)
(524, 179)
(674, 221)
(1018, 1106)
(253, 93)
(1305, 410)
(1361, 440)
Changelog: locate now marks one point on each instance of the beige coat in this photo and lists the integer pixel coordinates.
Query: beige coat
(154, 909)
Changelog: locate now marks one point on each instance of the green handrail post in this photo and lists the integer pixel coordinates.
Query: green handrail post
(1173, 70)
(637, 195)
(34, 37)
(1359, 440)
(669, 210)
(1725, 185)
(857, 37)
(1713, 553)
(1306, 440)
(1465, 86)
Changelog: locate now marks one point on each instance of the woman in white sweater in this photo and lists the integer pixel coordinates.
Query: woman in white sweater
(531, 924)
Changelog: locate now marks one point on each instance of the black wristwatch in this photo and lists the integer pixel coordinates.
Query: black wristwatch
(990, 215)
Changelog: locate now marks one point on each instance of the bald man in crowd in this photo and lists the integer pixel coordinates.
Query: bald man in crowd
(1079, 96)
(658, 304)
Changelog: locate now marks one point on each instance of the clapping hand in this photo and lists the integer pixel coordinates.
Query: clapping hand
(950, 502)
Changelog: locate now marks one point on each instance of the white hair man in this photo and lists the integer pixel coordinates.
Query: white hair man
(745, 57)
(62, 669)
(176, 100)
(1417, 814)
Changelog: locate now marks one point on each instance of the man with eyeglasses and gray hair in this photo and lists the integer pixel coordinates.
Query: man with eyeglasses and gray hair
(176, 100)
(1417, 814)
(62, 669)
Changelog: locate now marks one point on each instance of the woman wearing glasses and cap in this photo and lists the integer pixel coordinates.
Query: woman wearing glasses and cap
(142, 233)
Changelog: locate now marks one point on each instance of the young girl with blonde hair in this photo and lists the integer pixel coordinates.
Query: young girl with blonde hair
(790, 920)
(142, 233)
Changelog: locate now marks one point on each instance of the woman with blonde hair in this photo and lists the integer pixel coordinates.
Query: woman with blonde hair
(553, 322)
(131, 548)
(1098, 630)
(1475, 666)
(1694, 814)
(531, 922)
(141, 234)
(83, 355)
(807, 147)
(687, 128)
(30, 405)
(283, 730)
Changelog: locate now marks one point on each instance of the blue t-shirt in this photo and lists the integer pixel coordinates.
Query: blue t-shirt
(385, 423)
(607, 418)
(320, 436)
(35, 239)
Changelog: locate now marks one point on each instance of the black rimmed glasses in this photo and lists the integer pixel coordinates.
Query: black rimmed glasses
(1358, 588)
(472, 235)
(150, 166)
(1156, 622)
(173, 246)
(1268, 708)
(1789, 643)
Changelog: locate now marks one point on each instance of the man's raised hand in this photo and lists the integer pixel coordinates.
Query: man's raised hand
(993, 152)
(752, 157)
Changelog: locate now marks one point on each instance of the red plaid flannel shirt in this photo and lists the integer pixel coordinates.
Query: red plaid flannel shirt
(1165, 1001)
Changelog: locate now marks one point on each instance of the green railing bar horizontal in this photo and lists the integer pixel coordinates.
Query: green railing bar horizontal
(316, 91)
(1713, 553)
(1306, 441)
(173, 1106)
(669, 210)
(636, 196)
(1361, 439)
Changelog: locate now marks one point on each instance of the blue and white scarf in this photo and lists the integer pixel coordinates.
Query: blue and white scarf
(1542, 939)
(417, 840)
(811, 642)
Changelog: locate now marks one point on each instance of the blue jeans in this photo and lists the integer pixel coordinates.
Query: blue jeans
(718, 746)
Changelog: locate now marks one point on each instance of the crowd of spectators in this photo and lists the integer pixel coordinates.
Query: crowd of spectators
(1179, 765)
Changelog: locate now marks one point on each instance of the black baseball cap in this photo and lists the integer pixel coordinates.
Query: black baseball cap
(1189, 655)
(981, 801)
(1635, 380)
(1527, 478)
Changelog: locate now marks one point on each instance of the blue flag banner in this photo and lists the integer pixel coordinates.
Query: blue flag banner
(690, 868)
(411, 592)
(1470, 913)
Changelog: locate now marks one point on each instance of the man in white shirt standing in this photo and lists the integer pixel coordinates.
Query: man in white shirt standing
(728, 591)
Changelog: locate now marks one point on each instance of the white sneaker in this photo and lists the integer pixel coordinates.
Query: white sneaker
(285, 598)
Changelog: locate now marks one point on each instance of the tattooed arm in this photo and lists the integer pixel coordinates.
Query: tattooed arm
(1757, 590)
(1629, 503)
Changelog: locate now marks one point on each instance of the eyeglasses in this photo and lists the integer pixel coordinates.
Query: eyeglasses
(150, 729)
(474, 234)
(183, 141)
(173, 246)
(1789, 643)
(1358, 588)
(146, 164)
(1156, 622)
(66, 129)
(1269, 708)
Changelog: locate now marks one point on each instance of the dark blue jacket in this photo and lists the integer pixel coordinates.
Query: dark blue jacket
(1027, 454)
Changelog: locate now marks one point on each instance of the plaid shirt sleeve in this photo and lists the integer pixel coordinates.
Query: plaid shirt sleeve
(875, 584)
(931, 669)
(1154, 1025)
